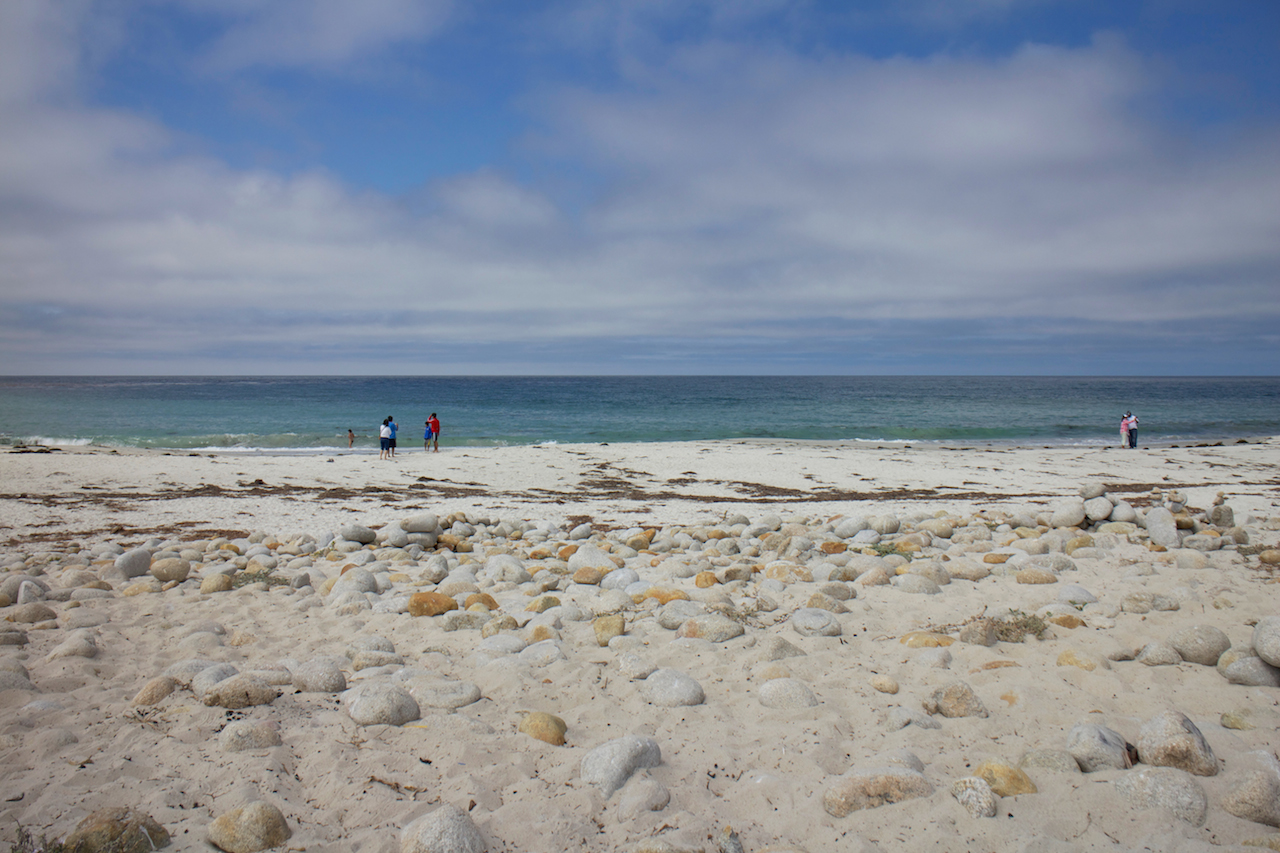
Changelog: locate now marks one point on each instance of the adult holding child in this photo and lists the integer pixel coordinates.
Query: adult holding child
(1133, 430)
(1124, 430)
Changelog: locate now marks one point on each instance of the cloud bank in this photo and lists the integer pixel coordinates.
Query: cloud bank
(719, 205)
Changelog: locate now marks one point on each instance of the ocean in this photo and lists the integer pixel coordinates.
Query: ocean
(312, 414)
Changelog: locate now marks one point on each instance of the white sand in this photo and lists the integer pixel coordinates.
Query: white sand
(730, 760)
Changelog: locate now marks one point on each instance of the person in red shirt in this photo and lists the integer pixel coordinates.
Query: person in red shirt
(434, 423)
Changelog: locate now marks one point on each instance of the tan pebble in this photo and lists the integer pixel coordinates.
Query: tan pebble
(1004, 780)
(833, 547)
(1068, 621)
(664, 595)
(1034, 576)
(542, 632)
(240, 637)
(1238, 720)
(399, 577)
(482, 598)
(544, 727)
(566, 552)
(1268, 842)
(704, 580)
(1271, 557)
(883, 684)
(995, 559)
(925, 640)
(770, 671)
(215, 583)
(608, 627)
(589, 575)
(996, 664)
(141, 588)
(542, 604)
(155, 690)
(430, 604)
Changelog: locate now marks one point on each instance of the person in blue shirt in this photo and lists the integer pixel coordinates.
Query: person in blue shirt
(391, 422)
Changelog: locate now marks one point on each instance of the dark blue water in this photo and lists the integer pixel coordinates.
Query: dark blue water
(314, 413)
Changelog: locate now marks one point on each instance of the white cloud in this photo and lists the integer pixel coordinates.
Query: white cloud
(302, 33)
(742, 195)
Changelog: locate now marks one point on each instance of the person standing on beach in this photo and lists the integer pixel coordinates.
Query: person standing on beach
(1124, 430)
(1133, 430)
(351, 439)
(433, 424)
(391, 422)
(426, 436)
(384, 440)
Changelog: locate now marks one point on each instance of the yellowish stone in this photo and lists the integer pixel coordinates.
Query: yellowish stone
(925, 640)
(544, 727)
(1005, 781)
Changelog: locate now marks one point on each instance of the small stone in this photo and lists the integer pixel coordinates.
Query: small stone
(1035, 576)
(712, 627)
(1051, 760)
(248, 829)
(544, 727)
(1005, 781)
(31, 613)
(240, 691)
(116, 830)
(440, 693)
(883, 684)
(1252, 672)
(373, 704)
(671, 688)
(243, 735)
(589, 575)
(608, 627)
(155, 690)
(1096, 747)
(873, 787)
(542, 604)
(955, 700)
(1255, 797)
(610, 765)
(642, 795)
(1166, 788)
(217, 582)
(1266, 638)
(319, 676)
(1159, 654)
(1171, 740)
(773, 647)
(170, 569)
(1202, 644)
(975, 795)
(786, 694)
(430, 604)
(1237, 720)
(811, 622)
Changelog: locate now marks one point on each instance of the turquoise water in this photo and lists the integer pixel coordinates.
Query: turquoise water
(314, 413)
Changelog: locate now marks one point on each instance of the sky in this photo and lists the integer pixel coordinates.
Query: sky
(430, 187)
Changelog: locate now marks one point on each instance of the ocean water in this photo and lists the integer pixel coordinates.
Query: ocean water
(312, 414)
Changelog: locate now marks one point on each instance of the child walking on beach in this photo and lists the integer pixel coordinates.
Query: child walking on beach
(1124, 430)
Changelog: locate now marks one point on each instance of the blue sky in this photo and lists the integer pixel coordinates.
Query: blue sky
(572, 186)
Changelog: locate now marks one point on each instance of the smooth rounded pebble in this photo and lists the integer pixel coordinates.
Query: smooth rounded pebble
(380, 704)
(671, 688)
(956, 699)
(241, 735)
(611, 764)
(642, 795)
(448, 829)
(1202, 644)
(206, 679)
(1252, 672)
(916, 585)
(443, 694)
(155, 690)
(883, 684)
(1266, 639)
(248, 829)
(786, 694)
(1165, 788)
(544, 727)
(812, 622)
(319, 676)
(241, 691)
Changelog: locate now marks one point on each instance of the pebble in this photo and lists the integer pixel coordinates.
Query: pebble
(242, 735)
(248, 829)
(640, 796)
(1096, 747)
(375, 704)
(544, 727)
(116, 830)
(155, 691)
(1266, 639)
(1005, 780)
(671, 688)
(610, 765)
(786, 694)
(883, 684)
(975, 795)
(812, 622)
(319, 676)
(1165, 788)
(240, 691)
(956, 699)
(871, 787)
(1171, 740)
(712, 627)
(1255, 797)
(1202, 644)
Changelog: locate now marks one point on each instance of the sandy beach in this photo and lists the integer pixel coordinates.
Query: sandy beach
(717, 646)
